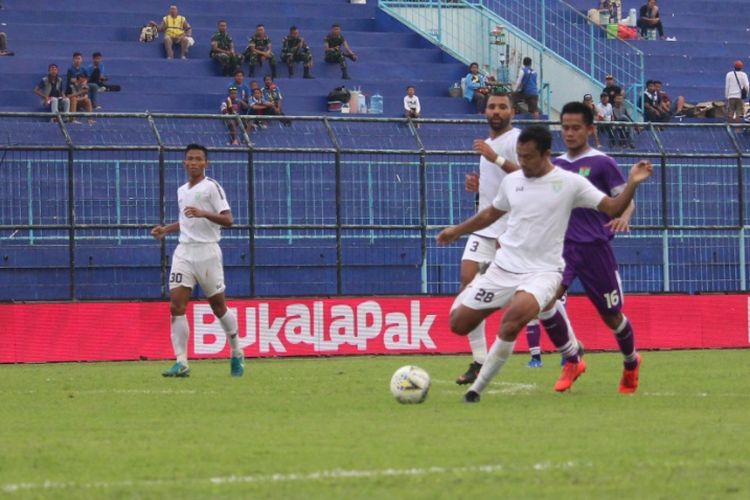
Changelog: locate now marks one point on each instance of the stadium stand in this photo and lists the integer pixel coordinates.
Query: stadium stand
(390, 55)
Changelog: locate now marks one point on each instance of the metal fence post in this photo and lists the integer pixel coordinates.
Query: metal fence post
(339, 252)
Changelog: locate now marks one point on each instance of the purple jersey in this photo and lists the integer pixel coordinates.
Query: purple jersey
(587, 225)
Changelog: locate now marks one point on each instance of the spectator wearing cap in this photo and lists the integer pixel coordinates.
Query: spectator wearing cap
(611, 88)
(736, 88)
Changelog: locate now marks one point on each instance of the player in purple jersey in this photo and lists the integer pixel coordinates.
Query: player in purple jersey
(587, 251)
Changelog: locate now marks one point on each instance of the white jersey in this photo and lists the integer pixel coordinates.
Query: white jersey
(538, 213)
(206, 195)
(490, 177)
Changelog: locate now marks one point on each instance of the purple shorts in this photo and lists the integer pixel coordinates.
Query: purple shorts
(595, 265)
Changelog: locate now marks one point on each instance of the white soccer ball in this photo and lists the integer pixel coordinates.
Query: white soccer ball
(410, 384)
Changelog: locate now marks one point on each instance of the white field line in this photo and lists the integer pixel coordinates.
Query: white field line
(118, 391)
(323, 475)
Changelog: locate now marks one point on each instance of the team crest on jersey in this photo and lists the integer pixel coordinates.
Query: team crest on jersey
(584, 171)
(557, 186)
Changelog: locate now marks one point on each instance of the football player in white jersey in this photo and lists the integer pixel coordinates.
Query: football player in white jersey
(498, 158)
(527, 269)
(204, 210)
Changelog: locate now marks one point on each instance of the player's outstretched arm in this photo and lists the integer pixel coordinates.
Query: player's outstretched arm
(614, 207)
(622, 224)
(479, 221)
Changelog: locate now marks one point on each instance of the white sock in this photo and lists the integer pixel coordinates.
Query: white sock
(229, 325)
(496, 358)
(180, 330)
(478, 343)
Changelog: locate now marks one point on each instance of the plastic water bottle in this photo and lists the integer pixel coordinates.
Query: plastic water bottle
(361, 104)
(376, 104)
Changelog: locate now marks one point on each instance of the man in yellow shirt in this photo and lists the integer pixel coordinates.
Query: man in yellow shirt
(176, 29)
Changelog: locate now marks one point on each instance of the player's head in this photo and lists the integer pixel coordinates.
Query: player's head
(577, 124)
(499, 112)
(196, 160)
(534, 150)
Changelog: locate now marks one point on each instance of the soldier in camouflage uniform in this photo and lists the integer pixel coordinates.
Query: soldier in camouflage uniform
(294, 49)
(258, 49)
(337, 50)
(222, 50)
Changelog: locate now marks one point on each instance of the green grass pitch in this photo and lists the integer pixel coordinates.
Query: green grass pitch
(329, 428)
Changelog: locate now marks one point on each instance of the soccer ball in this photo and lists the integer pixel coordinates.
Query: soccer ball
(410, 384)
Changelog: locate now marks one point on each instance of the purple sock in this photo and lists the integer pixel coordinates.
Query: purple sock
(533, 338)
(626, 341)
(557, 330)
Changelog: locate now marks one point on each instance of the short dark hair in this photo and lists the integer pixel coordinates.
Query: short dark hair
(527, 61)
(579, 108)
(474, 64)
(259, 26)
(239, 72)
(537, 134)
(53, 65)
(194, 146)
(335, 25)
(292, 28)
(221, 21)
(604, 94)
(411, 87)
(96, 54)
(649, 82)
(77, 54)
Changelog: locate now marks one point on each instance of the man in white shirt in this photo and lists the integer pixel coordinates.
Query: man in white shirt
(735, 85)
(527, 269)
(498, 158)
(197, 259)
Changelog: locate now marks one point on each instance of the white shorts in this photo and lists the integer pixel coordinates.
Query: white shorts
(495, 288)
(198, 263)
(480, 249)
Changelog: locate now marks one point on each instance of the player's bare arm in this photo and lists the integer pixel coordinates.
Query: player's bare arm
(622, 224)
(615, 207)
(479, 221)
(471, 182)
(159, 232)
(490, 155)
(223, 219)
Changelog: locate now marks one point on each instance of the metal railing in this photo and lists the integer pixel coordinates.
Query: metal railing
(330, 205)
(534, 28)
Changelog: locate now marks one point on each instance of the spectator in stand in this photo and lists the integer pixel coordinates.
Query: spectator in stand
(527, 88)
(476, 90)
(588, 100)
(337, 50)
(4, 45)
(651, 111)
(667, 106)
(294, 49)
(260, 107)
(272, 95)
(736, 90)
(75, 70)
(233, 105)
(604, 114)
(649, 19)
(50, 90)
(243, 91)
(614, 7)
(97, 75)
(222, 50)
(611, 88)
(176, 30)
(79, 97)
(259, 49)
(623, 136)
(254, 86)
(412, 108)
